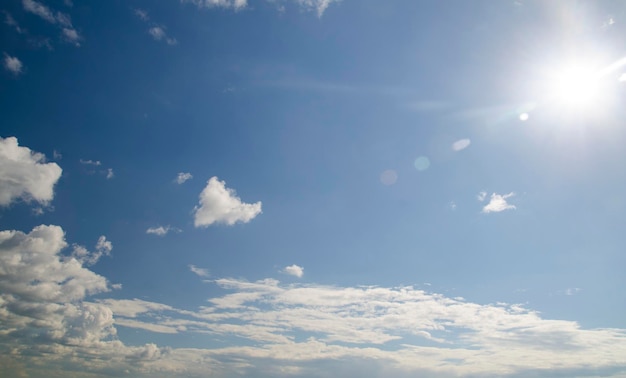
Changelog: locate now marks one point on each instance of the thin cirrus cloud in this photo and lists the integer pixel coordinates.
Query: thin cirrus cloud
(45, 305)
(13, 64)
(318, 6)
(461, 144)
(62, 20)
(497, 202)
(24, 174)
(182, 177)
(201, 272)
(158, 33)
(294, 270)
(219, 204)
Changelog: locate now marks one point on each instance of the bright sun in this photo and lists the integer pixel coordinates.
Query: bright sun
(577, 87)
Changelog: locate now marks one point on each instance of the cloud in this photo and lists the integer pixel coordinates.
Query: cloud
(182, 177)
(62, 20)
(498, 203)
(199, 271)
(461, 144)
(9, 20)
(481, 196)
(13, 64)
(90, 162)
(142, 14)
(294, 270)
(24, 174)
(159, 34)
(110, 173)
(161, 231)
(318, 6)
(235, 4)
(219, 204)
(82, 255)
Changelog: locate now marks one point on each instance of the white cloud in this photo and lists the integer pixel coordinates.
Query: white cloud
(498, 203)
(13, 64)
(82, 255)
(159, 34)
(40, 10)
(235, 4)
(110, 173)
(294, 270)
(182, 177)
(62, 20)
(461, 144)
(319, 6)
(219, 204)
(199, 271)
(161, 231)
(90, 162)
(142, 14)
(24, 174)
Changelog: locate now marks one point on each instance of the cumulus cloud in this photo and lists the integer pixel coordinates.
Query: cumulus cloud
(294, 270)
(498, 203)
(182, 177)
(13, 64)
(199, 271)
(24, 174)
(103, 248)
(219, 204)
(161, 231)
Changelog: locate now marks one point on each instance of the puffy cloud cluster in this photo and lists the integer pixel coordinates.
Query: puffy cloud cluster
(219, 204)
(294, 270)
(62, 20)
(13, 64)
(497, 202)
(24, 174)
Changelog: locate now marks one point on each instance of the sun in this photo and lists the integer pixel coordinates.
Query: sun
(577, 87)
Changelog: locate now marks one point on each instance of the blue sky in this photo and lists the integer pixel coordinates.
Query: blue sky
(312, 188)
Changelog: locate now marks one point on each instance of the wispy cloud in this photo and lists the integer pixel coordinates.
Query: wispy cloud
(498, 203)
(234, 4)
(109, 173)
(9, 20)
(201, 272)
(24, 174)
(461, 144)
(90, 162)
(219, 204)
(294, 270)
(162, 231)
(85, 257)
(62, 20)
(142, 14)
(481, 196)
(182, 177)
(13, 64)
(159, 34)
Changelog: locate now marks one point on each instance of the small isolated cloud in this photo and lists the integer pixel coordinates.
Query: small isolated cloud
(85, 257)
(161, 231)
(110, 173)
(498, 203)
(294, 270)
(142, 14)
(71, 35)
(182, 177)
(461, 144)
(24, 174)
(90, 162)
(199, 271)
(159, 34)
(572, 291)
(452, 205)
(13, 64)
(234, 4)
(219, 204)
(481, 196)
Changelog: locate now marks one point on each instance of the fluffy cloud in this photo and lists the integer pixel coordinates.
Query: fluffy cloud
(103, 248)
(219, 204)
(161, 231)
(13, 64)
(199, 271)
(182, 177)
(24, 174)
(294, 270)
(498, 203)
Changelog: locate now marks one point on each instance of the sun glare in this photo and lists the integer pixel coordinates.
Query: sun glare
(577, 87)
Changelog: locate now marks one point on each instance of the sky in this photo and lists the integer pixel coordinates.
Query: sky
(312, 188)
